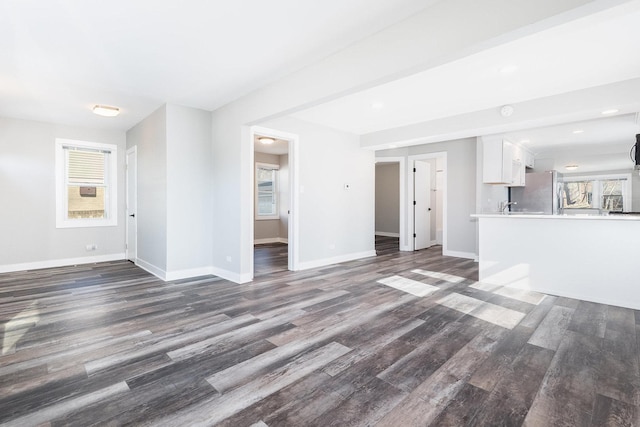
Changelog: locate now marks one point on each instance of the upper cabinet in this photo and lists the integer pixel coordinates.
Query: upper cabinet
(504, 163)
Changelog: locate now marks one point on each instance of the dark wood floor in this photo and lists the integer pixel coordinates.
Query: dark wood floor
(109, 344)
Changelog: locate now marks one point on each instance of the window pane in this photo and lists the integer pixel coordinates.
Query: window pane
(612, 195)
(266, 189)
(578, 195)
(86, 202)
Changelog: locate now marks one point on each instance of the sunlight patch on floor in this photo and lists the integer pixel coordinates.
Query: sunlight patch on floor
(441, 276)
(482, 310)
(412, 287)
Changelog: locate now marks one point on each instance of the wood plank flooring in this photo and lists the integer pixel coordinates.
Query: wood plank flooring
(344, 345)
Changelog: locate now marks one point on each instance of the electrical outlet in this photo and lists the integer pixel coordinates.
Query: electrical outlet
(91, 247)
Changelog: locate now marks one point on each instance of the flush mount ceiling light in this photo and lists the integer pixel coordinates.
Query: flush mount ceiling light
(577, 131)
(106, 110)
(571, 167)
(266, 141)
(611, 111)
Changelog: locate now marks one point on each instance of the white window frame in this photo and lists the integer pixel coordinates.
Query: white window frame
(111, 179)
(597, 189)
(276, 185)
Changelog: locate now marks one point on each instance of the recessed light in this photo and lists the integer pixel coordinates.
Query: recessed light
(508, 69)
(377, 106)
(266, 141)
(611, 111)
(571, 167)
(106, 110)
(578, 131)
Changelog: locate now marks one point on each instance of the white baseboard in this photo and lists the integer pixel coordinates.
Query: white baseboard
(230, 275)
(385, 234)
(150, 268)
(458, 254)
(37, 265)
(188, 273)
(335, 260)
(270, 240)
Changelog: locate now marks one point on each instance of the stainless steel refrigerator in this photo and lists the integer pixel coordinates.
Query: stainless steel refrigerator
(542, 193)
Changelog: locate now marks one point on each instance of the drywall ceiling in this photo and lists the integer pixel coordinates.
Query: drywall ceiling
(592, 51)
(60, 57)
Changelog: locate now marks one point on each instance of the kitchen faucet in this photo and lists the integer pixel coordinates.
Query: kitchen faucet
(504, 205)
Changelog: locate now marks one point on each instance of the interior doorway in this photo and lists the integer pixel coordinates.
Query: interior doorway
(274, 230)
(428, 202)
(422, 204)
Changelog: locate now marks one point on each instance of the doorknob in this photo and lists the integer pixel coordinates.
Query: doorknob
(132, 215)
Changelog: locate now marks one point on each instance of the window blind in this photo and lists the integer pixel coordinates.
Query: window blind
(86, 166)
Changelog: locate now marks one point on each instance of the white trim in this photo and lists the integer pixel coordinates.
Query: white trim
(150, 268)
(458, 254)
(335, 260)
(132, 150)
(270, 240)
(411, 160)
(230, 275)
(433, 242)
(385, 234)
(36, 265)
(188, 273)
(294, 225)
(405, 244)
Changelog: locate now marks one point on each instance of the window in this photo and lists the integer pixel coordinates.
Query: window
(85, 184)
(267, 191)
(609, 193)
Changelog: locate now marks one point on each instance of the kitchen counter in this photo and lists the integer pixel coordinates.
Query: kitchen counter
(588, 257)
(520, 215)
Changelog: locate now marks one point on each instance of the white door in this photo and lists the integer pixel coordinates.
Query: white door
(421, 205)
(132, 199)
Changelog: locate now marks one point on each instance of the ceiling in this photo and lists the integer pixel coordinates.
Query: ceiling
(61, 57)
(596, 50)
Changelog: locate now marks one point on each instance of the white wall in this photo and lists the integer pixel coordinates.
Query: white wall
(150, 136)
(30, 238)
(174, 191)
(400, 50)
(189, 198)
(387, 198)
(334, 223)
(461, 190)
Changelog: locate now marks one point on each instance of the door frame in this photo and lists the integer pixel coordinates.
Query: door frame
(293, 227)
(133, 150)
(404, 232)
(427, 177)
(409, 179)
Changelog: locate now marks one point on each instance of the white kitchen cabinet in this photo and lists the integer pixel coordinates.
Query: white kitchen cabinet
(517, 167)
(497, 162)
(528, 159)
(504, 163)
